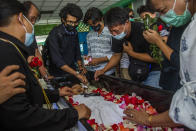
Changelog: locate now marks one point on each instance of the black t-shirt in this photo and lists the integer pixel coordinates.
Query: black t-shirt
(138, 42)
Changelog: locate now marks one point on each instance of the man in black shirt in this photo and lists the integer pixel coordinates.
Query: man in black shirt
(33, 14)
(24, 111)
(63, 45)
(169, 79)
(121, 28)
(8, 82)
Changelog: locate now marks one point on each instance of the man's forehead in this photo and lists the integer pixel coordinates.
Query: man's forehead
(33, 10)
(71, 18)
(114, 27)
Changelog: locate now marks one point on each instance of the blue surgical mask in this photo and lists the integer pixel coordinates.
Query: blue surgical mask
(175, 20)
(29, 37)
(120, 36)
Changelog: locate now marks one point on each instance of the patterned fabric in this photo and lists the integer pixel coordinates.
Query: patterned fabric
(99, 45)
(124, 62)
(83, 27)
(183, 107)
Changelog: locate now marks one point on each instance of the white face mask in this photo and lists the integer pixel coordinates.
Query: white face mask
(121, 35)
(29, 37)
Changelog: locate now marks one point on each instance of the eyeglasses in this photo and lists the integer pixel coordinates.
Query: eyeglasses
(71, 22)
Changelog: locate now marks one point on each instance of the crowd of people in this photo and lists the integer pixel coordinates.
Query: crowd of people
(116, 42)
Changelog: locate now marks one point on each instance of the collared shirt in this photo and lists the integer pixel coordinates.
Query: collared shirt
(183, 106)
(64, 49)
(99, 45)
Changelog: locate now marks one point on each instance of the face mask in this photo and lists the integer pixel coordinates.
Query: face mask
(176, 20)
(131, 19)
(70, 27)
(121, 35)
(29, 37)
(96, 28)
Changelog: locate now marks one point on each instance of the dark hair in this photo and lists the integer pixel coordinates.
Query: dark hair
(71, 9)
(9, 8)
(145, 8)
(150, 5)
(27, 5)
(128, 9)
(93, 14)
(116, 16)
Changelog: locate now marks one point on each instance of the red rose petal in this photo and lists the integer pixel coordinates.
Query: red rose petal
(115, 127)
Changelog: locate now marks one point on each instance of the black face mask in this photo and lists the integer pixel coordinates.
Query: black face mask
(70, 27)
(96, 28)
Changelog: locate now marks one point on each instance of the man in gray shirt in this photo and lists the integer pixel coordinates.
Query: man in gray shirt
(99, 41)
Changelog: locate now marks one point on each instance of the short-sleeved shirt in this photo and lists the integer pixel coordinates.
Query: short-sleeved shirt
(99, 45)
(139, 44)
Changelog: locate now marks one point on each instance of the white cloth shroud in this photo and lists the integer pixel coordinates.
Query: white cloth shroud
(104, 112)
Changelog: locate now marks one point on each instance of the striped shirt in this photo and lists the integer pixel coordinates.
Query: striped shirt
(99, 45)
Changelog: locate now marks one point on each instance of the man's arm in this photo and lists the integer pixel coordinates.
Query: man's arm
(8, 82)
(153, 37)
(142, 118)
(68, 69)
(140, 56)
(115, 59)
(56, 56)
(96, 61)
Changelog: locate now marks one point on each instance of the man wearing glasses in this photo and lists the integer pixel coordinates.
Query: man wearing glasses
(33, 15)
(63, 45)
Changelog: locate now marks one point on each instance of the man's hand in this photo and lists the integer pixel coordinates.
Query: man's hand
(30, 59)
(44, 73)
(83, 111)
(152, 36)
(8, 83)
(82, 78)
(65, 91)
(98, 73)
(139, 117)
(127, 48)
(83, 70)
(94, 62)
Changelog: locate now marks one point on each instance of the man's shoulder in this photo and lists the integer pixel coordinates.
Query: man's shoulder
(91, 33)
(137, 29)
(5, 46)
(137, 24)
(56, 30)
(106, 31)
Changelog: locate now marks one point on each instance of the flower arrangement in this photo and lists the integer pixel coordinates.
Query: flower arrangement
(35, 64)
(151, 23)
